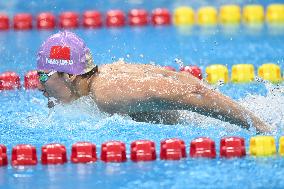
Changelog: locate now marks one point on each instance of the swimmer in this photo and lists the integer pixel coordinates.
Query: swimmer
(67, 72)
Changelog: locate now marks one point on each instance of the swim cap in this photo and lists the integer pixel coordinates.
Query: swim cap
(65, 52)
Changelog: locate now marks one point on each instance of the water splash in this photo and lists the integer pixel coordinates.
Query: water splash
(179, 62)
(270, 107)
(28, 122)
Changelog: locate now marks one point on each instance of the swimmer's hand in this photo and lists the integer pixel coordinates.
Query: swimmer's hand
(263, 128)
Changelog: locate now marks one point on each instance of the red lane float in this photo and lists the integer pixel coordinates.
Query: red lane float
(53, 154)
(69, 20)
(113, 151)
(231, 147)
(138, 17)
(4, 22)
(24, 154)
(115, 18)
(193, 70)
(143, 150)
(9, 81)
(3, 155)
(23, 21)
(31, 80)
(83, 152)
(92, 19)
(202, 147)
(172, 149)
(161, 16)
(45, 20)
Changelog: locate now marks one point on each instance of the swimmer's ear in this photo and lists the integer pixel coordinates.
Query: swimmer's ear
(70, 77)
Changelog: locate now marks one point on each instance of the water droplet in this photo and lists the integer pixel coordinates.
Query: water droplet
(179, 62)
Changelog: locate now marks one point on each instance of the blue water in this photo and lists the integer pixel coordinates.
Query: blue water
(24, 117)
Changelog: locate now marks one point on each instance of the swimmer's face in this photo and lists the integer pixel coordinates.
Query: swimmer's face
(56, 85)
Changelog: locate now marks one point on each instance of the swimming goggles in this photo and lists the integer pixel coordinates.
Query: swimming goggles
(43, 77)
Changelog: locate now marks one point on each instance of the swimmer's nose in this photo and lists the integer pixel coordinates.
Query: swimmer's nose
(40, 87)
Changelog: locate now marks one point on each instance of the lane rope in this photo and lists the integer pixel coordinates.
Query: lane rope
(181, 16)
(142, 150)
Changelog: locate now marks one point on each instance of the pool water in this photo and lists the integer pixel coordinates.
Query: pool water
(25, 118)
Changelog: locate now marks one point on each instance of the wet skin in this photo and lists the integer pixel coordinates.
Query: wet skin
(137, 89)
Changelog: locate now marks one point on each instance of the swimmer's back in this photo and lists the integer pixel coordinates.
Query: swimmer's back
(135, 82)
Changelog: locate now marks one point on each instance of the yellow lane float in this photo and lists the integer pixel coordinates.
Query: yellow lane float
(262, 146)
(207, 16)
(253, 14)
(281, 146)
(216, 73)
(270, 72)
(242, 73)
(183, 16)
(230, 14)
(275, 13)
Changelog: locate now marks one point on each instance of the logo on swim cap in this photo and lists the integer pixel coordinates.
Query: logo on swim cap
(59, 55)
(65, 52)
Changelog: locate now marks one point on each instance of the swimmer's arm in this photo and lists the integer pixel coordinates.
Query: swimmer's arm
(206, 101)
(188, 93)
(167, 90)
(211, 103)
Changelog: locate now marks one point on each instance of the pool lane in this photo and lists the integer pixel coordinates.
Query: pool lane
(24, 115)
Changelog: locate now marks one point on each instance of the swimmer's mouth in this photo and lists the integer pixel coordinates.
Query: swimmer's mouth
(45, 94)
(51, 101)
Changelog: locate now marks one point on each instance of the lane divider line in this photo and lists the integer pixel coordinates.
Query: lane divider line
(181, 16)
(142, 150)
(215, 73)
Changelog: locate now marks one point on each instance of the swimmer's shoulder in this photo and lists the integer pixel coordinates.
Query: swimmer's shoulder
(118, 70)
(122, 66)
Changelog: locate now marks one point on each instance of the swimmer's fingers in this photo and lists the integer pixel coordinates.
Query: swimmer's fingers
(262, 128)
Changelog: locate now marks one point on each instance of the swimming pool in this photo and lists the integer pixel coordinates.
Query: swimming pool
(24, 117)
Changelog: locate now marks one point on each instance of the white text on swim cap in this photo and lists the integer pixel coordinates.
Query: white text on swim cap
(59, 61)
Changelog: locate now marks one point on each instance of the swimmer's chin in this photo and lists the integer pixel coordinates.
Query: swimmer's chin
(51, 104)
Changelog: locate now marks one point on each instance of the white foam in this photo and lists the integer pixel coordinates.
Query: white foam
(270, 107)
(84, 112)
